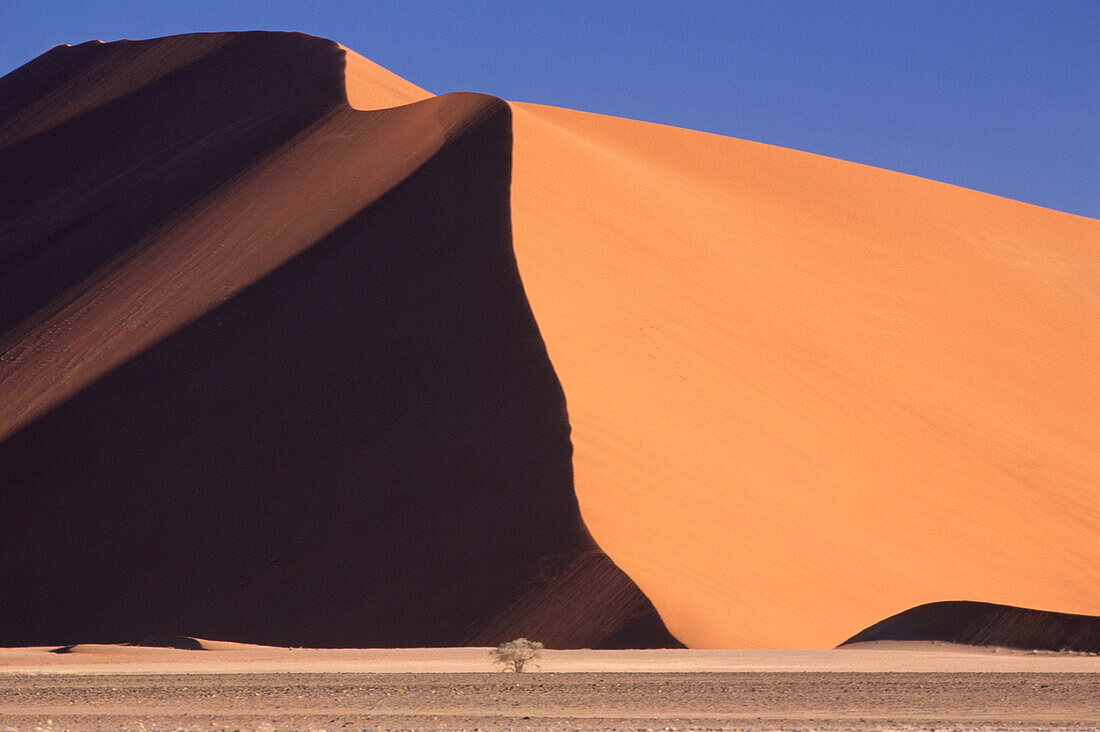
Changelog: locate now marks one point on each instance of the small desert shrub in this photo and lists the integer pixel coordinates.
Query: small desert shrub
(514, 655)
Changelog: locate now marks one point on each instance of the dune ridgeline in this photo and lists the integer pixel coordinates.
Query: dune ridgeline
(294, 352)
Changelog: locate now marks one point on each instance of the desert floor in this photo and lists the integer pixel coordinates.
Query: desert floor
(246, 687)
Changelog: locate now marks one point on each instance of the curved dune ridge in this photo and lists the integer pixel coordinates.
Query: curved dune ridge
(266, 346)
(986, 624)
(268, 370)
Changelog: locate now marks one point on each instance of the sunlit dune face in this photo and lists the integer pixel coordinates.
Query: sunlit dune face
(807, 394)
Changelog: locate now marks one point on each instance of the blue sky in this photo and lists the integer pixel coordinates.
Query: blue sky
(1002, 97)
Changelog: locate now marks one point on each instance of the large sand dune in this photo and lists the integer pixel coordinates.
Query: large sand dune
(269, 373)
(255, 334)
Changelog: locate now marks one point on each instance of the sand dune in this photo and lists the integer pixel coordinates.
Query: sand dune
(986, 624)
(808, 394)
(269, 373)
(270, 369)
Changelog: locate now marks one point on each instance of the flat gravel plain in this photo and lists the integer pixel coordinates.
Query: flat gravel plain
(552, 701)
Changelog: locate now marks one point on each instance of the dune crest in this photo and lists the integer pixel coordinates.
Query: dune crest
(272, 106)
(369, 86)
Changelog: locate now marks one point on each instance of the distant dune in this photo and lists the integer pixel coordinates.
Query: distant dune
(269, 373)
(272, 369)
(985, 624)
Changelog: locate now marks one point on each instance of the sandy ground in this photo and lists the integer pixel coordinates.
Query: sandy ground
(240, 658)
(584, 701)
(248, 687)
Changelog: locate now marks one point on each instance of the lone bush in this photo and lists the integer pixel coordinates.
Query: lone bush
(515, 655)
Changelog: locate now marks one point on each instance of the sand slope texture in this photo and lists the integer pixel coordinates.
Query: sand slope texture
(808, 394)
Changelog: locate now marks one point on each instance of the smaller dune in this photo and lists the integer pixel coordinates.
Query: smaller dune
(987, 624)
(163, 640)
(180, 642)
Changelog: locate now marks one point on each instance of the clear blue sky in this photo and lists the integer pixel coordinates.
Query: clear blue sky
(1001, 96)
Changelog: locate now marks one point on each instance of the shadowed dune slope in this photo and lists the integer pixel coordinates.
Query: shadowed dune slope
(806, 392)
(267, 370)
(986, 624)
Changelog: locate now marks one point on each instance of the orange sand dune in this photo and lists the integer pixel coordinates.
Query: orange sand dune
(808, 394)
(268, 371)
